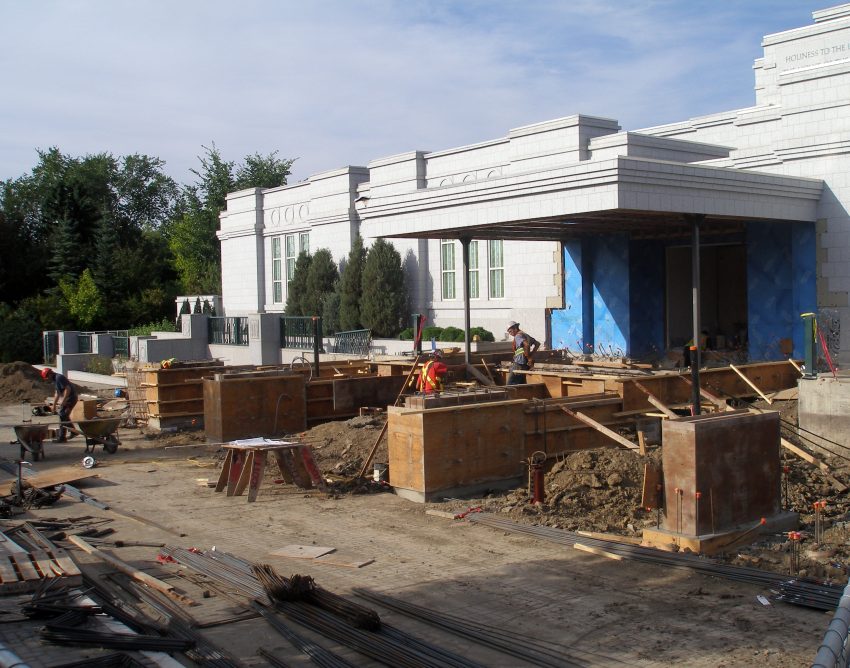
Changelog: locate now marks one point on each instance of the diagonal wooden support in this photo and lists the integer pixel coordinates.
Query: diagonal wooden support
(602, 429)
(713, 398)
(480, 377)
(750, 383)
(655, 401)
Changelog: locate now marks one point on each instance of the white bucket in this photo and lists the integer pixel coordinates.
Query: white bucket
(381, 472)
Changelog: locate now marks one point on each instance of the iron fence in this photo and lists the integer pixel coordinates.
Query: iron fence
(300, 332)
(354, 342)
(50, 342)
(84, 343)
(121, 346)
(228, 331)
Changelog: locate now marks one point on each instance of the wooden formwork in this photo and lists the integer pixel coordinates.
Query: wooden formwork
(440, 452)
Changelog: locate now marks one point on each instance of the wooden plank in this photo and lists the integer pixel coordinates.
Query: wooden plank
(302, 551)
(823, 466)
(134, 573)
(796, 366)
(597, 551)
(41, 560)
(750, 383)
(601, 428)
(655, 401)
(614, 538)
(337, 561)
(258, 467)
(7, 573)
(21, 562)
(713, 398)
(224, 476)
(480, 377)
(50, 479)
(244, 474)
(651, 480)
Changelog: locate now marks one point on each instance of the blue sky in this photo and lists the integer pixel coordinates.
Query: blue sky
(338, 82)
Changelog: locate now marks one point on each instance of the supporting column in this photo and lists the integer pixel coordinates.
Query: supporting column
(464, 244)
(695, 292)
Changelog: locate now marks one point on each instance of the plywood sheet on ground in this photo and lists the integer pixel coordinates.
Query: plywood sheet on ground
(49, 479)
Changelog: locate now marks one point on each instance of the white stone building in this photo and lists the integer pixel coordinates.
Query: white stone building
(582, 231)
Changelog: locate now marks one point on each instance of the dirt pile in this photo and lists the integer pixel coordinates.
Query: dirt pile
(340, 448)
(20, 381)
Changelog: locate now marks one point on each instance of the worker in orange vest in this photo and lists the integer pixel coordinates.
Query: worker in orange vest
(431, 377)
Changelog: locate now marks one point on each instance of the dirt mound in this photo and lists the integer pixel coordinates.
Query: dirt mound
(340, 448)
(20, 381)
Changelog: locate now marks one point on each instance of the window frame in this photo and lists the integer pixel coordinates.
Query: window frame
(448, 286)
(496, 269)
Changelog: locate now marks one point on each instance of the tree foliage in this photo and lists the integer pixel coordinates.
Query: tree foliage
(141, 237)
(384, 302)
(351, 287)
(322, 277)
(295, 302)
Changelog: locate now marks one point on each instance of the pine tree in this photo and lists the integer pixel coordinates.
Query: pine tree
(66, 251)
(384, 302)
(297, 287)
(351, 287)
(321, 279)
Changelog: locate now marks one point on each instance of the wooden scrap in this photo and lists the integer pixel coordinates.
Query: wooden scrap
(796, 366)
(626, 443)
(597, 551)
(651, 480)
(750, 383)
(440, 513)
(50, 479)
(338, 561)
(134, 573)
(480, 377)
(823, 466)
(302, 551)
(655, 401)
(612, 537)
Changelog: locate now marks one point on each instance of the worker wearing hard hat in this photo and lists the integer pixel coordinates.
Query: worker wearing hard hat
(524, 346)
(65, 397)
(431, 377)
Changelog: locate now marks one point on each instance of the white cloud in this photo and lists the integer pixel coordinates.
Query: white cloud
(337, 82)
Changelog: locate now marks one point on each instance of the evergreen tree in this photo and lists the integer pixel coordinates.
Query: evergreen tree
(330, 313)
(65, 251)
(351, 287)
(384, 302)
(321, 279)
(297, 288)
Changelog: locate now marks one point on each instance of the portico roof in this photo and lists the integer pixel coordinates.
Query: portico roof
(644, 197)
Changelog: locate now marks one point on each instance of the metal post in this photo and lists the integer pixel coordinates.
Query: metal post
(317, 341)
(418, 321)
(696, 360)
(464, 244)
(810, 345)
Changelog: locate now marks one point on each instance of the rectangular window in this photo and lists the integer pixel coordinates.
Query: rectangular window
(473, 270)
(291, 255)
(277, 272)
(304, 242)
(447, 267)
(497, 269)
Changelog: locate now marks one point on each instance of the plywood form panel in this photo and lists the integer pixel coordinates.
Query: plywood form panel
(246, 408)
(349, 394)
(406, 451)
(732, 460)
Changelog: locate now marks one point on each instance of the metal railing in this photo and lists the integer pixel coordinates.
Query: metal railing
(228, 331)
(299, 332)
(121, 346)
(354, 342)
(50, 341)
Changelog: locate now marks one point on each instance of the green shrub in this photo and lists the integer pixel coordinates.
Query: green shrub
(406, 334)
(165, 325)
(100, 365)
(383, 306)
(483, 334)
(452, 334)
(432, 332)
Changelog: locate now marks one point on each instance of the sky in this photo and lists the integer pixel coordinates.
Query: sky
(344, 82)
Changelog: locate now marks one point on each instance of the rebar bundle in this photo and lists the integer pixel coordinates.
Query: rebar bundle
(652, 556)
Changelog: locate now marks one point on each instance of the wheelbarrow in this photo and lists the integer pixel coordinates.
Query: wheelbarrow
(31, 438)
(102, 431)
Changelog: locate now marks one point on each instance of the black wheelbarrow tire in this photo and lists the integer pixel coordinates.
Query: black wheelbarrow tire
(111, 445)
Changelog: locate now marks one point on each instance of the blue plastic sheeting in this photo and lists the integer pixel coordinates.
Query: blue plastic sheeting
(611, 316)
(781, 273)
(646, 288)
(567, 323)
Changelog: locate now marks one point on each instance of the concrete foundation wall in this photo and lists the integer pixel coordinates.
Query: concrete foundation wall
(824, 408)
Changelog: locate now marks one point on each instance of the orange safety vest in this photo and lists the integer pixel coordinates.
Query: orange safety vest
(428, 379)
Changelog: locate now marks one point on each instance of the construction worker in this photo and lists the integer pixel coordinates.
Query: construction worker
(431, 377)
(524, 346)
(65, 397)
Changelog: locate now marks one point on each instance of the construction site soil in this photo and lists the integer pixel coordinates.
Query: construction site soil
(605, 612)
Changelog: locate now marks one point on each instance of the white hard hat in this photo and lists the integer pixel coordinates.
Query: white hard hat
(513, 324)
